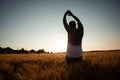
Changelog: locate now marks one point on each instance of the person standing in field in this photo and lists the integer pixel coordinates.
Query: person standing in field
(75, 35)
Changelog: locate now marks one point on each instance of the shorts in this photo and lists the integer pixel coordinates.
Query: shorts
(74, 51)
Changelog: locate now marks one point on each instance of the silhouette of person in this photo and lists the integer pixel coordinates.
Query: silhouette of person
(75, 35)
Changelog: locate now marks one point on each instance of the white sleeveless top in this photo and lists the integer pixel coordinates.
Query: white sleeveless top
(74, 51)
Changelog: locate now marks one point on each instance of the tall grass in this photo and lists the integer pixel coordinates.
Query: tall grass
(95, 66)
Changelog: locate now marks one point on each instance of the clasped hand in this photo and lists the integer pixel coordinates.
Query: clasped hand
(69, 13)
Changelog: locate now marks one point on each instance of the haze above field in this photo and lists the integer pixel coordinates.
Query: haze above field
(36, 24)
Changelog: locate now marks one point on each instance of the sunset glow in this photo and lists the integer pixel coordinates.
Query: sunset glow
(38, 24)
(59, 46)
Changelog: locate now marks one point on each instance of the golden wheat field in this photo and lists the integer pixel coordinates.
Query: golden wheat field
(96, 66)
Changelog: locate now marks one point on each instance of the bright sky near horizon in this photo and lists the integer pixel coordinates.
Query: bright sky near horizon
(37, 24)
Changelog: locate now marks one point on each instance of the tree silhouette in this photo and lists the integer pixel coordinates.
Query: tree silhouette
(9, 50)
(41, 51)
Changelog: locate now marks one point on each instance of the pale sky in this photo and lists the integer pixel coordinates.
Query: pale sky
(37, 24)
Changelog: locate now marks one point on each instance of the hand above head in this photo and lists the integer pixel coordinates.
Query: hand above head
(69, 13)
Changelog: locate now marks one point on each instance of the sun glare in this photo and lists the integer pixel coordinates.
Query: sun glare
(60, 46)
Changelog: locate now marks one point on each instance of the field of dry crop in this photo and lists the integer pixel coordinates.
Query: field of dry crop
(95, 66)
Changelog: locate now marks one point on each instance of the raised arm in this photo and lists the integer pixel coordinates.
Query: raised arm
(80, 26)
(65, 21)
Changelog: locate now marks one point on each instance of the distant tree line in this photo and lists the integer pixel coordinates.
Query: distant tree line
(9, 50)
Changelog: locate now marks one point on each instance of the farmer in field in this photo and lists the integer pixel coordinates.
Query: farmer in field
(75, 35)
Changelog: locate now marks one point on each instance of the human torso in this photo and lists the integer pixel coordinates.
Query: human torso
(75, 37)
(74, 47)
